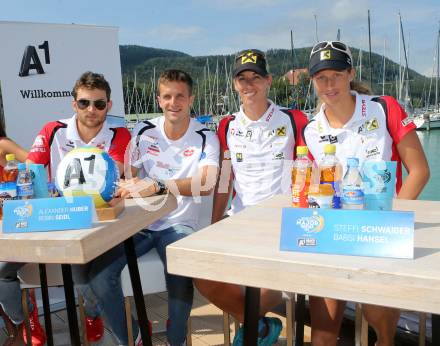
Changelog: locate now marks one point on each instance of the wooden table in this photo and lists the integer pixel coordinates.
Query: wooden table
(82, 246)
(244, 249)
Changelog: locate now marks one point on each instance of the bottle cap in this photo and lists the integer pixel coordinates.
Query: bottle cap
(10, 157)
(302, 150)
(329, 149)
(352, 162)
(21, 166)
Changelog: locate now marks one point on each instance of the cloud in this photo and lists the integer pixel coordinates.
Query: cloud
(346, 10)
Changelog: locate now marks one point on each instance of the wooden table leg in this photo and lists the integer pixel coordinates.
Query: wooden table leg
(300, 308)
(46, 304)
(70, 304)
(137, 291)
(251, 316)
(435, 320)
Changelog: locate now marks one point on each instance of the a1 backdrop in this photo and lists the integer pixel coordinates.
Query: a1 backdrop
(39, 65)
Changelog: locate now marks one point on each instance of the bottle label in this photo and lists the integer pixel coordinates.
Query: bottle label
(320, 201)
(25, 190)
(300, 186)
(8, 191)
(337, 195)
(353, 195)
(299, 199)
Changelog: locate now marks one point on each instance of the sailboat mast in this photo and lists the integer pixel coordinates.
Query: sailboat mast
(293, 66)
(406, 58)
(369, 55)
(383, 72)
(154, 90)
(438, 70)
(316, 28)
(400, 65)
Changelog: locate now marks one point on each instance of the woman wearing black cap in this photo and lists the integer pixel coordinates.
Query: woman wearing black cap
(258, 142)
(369, 128)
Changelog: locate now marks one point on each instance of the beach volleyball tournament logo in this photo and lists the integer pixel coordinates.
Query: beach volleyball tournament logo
(88, 171)
(311, 224)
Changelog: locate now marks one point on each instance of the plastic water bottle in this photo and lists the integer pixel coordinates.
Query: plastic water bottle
(10, 172)
(301, 173)
(25, 189)
(352, 191)
(330, 171)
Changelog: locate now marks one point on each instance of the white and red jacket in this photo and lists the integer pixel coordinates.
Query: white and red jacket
(261, 153)
(57, 138)
(376, 127)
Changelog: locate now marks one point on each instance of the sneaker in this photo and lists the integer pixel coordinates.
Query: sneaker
(38, 336)
(274, 327)
(273, 330)
(94, 328)
(138, 341)
(238, 337)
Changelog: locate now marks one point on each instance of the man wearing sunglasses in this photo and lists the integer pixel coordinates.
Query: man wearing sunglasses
(87, 127)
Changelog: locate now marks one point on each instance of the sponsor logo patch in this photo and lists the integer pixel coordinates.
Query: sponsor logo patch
(278, 156)
(249, 134)
(239, 133)
(281, 131)
(372, 124)
(372, 152)
(153, 149)
(328, 138)
(249, 58)
(269, 116)
(326, 55)
(188, 152)
(406, 121)
(39, 141)
(239, 157)
(364, 108)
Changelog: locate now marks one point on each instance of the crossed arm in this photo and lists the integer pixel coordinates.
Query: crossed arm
(223, 189)
(201, 184)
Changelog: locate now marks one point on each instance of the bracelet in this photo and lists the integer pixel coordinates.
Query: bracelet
(161, 187)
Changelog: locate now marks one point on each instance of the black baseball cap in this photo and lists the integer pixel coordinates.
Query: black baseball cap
(333, 55)
(250, 60)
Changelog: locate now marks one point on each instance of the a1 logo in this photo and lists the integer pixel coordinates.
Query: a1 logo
(31, 60)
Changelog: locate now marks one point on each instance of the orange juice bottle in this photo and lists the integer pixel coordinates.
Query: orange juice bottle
(301, 174)
(10, 172)
(321, 196)
(331, 173)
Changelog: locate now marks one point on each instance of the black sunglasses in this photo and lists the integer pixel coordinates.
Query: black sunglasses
(84, 103)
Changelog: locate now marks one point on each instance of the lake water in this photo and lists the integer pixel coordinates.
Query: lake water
(431, 144)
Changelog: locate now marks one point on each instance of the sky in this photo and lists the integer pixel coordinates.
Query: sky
(207, 27)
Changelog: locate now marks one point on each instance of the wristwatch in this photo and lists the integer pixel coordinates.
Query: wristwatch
(161, 187)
